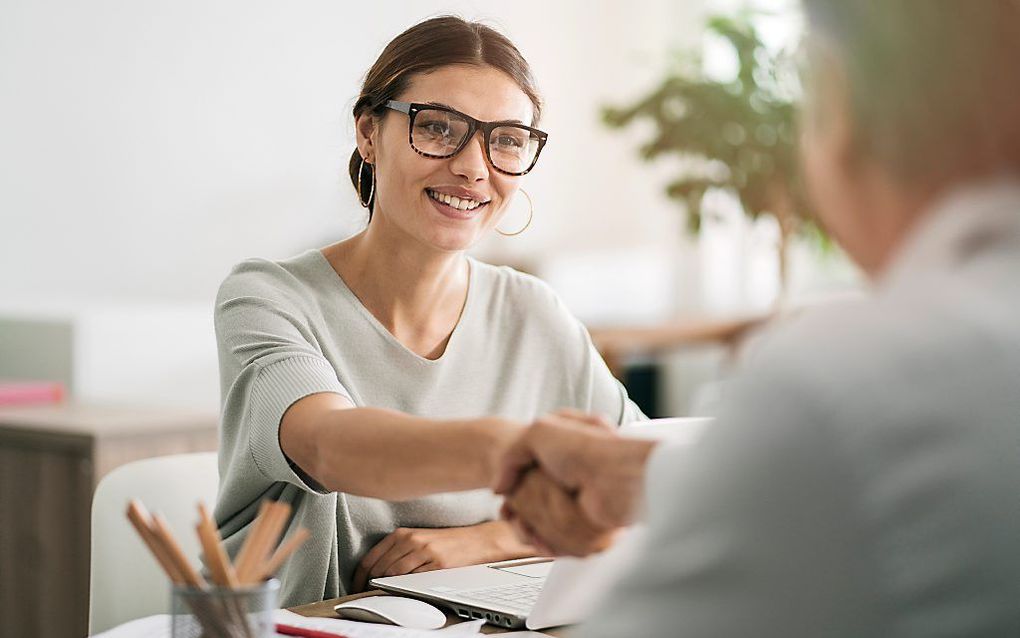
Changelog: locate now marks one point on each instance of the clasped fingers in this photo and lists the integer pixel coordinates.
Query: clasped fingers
(551, 518)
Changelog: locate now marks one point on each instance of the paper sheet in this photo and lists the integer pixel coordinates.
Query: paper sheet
(152, 626)
(355, 629)
(159, 627)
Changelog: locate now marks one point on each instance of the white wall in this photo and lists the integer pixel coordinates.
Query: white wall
(145, 146)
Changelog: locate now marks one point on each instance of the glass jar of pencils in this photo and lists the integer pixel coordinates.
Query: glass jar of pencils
(222, 612)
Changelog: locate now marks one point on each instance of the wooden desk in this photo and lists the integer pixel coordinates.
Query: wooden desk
(51, 458)
(615, 344)
(324, 609)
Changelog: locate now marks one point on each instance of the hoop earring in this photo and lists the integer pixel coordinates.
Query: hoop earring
(371, 191)
(531, 216)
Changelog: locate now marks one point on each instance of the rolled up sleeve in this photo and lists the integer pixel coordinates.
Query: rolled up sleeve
(269, 359)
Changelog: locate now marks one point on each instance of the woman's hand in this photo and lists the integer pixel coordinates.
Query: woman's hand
(583, 454)
(408, 550)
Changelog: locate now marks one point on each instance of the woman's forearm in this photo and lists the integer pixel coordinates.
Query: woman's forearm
(394, 456)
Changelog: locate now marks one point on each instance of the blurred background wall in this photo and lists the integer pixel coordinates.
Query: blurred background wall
(148, 146)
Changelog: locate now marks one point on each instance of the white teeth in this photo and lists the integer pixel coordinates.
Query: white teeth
(454, 202)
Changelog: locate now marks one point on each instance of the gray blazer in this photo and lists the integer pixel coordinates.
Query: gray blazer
(864, 477)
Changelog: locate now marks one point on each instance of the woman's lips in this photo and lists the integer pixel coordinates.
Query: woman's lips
(456, 213)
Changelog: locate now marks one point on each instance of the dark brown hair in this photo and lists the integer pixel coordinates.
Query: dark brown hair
(934, 85)
(425, 47)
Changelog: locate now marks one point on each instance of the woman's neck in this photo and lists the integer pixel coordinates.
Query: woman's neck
(414, 290)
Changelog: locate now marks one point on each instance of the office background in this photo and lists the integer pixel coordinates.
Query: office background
(149, 146)
(146, 147)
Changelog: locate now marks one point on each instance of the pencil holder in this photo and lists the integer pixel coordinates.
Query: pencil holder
(224, 613)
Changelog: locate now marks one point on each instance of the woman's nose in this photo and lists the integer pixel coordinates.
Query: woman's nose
(470, 162)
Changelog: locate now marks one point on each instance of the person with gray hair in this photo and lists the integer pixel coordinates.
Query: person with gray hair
(863, 478)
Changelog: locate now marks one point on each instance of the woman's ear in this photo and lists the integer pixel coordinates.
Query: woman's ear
(366, 129)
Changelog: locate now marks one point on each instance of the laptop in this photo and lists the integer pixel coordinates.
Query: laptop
(538, 593)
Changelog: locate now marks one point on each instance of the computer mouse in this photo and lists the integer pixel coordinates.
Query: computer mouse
(394, 610)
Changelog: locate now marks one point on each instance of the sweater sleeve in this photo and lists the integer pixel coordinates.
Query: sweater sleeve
(269, 359)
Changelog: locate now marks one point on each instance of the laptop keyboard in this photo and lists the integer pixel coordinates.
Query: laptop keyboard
(519, 596)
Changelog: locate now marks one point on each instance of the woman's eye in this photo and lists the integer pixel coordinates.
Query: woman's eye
(436, 128)
(509, 141)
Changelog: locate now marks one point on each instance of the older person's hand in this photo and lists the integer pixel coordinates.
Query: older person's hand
(601, 472)
(548, 518)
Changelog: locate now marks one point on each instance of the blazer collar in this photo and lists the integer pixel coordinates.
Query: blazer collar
(967, 221)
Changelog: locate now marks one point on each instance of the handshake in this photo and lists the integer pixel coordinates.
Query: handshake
(570, 483)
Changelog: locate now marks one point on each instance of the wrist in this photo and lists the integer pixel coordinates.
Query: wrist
(504, 543)
(496, 436)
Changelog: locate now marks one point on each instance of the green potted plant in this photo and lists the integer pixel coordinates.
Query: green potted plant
(736, 134)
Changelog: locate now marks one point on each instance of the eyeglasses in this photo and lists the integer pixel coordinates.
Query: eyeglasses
(441, 132)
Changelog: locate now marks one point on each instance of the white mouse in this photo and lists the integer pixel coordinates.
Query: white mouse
(394, 610)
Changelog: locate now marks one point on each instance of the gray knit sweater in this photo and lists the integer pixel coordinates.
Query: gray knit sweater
(287, 329)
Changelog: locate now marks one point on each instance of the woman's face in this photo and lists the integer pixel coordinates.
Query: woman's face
(406, 182)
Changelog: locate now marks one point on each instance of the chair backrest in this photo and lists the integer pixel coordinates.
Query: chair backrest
(125, 580)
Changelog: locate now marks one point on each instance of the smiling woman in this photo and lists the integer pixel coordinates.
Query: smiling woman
(485, 157)
(374, 383)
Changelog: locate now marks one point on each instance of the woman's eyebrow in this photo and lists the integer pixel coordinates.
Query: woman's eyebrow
(447, 106)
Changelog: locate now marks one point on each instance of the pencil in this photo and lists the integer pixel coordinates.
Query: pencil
(245, 557)
(158, 538)
(284, 551)
(221, 569)
(139, 518)
(212, 546)
(264, 540)
(163, 532)
(272, 539)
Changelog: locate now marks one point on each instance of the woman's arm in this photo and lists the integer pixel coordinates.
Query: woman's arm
(390, 455)
(410, 550)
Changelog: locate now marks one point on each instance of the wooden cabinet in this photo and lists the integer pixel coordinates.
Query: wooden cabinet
(51, 458)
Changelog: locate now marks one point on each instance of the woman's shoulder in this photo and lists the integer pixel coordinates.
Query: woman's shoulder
(510, 293)
(273, 278)
(505, 282)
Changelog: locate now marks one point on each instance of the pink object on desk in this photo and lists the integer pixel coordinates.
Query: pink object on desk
(26, 392)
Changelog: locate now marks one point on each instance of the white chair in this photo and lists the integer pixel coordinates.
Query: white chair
(125, 580)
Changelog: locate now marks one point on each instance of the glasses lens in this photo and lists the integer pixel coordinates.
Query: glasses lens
(438, 133)
(513, 148)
